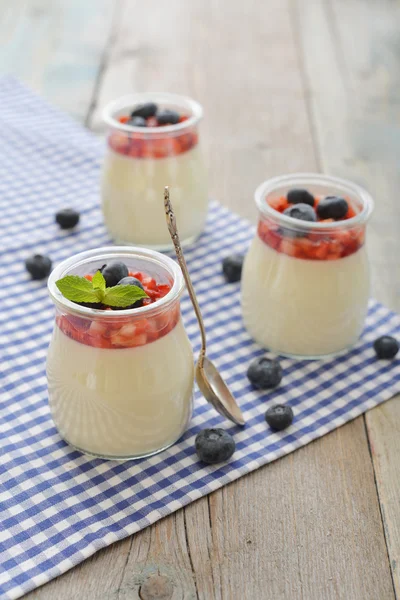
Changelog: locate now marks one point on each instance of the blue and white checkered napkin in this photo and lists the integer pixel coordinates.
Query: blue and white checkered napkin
(58, 506)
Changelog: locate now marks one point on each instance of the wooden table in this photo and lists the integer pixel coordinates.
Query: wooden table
(287, 85)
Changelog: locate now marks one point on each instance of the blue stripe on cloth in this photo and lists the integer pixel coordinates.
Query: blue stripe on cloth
(58, 506)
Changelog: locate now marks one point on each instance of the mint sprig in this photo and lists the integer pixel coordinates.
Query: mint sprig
(98, 281)
(80, 289)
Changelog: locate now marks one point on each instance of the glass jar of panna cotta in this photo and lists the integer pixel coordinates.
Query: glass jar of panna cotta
(108, 391)
(306, 284)
(142, 159)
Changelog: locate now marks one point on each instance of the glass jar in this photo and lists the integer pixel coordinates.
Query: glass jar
(109, 392)
(141, 161)
(306, 285)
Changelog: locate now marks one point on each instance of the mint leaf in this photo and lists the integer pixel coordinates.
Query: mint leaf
(123, 295)
(77, 289)
(98, 281)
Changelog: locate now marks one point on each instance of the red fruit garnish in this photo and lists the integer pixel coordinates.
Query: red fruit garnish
(279, 204)
(123, 332)
(350, 213)
(88, 277)
(327, 244)
(140, 145)
(119, 142)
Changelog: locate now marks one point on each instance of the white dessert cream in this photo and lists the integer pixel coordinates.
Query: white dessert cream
(132, 193)
(121, 402)
(304, 307)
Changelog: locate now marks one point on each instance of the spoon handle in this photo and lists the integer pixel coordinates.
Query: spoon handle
(171, 222)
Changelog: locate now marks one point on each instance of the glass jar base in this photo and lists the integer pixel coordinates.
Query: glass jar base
(122, 458)
(311, 356)
(158, 247)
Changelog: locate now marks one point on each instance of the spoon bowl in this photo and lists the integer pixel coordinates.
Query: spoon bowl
(216, 392)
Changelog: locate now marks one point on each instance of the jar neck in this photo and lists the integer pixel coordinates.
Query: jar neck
(156, 265)
(318, 185)
(187, 107)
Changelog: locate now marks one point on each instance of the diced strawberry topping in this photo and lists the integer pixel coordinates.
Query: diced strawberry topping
(314, 245)
(123, 332)
(139, 145)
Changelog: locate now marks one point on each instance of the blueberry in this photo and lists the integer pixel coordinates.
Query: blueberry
(332, 207)
(264, 373)
(137, 122)
(144, 110)
(300, 196)
(97, 305)
(386, 347)
(279, 417)
(38, 266)
(302, 212)
(131, 281)
(214, 446)
(232, 267)
(67, 218)
(114, 272)
(168, 117)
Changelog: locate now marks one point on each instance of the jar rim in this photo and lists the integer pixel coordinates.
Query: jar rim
(131, 100)
(302, 179)
(117, 252)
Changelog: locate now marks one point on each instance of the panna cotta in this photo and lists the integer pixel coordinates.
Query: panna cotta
(305, 280)
(107, 362)
(153, 141)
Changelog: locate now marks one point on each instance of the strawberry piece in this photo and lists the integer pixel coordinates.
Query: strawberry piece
(136, 149)
(152, 122)
(88, 277)
(163, 289)
(269, 234)
(128, 331)
(279, 204)
(129, 342)
(97, 329)
(288, 247)
(100, 342)
(124, 119)
(321, 250)
(153, 294)
(185, 142)
(136, 274)
(304, 248)
(183, 118)
(119, 142)
(149, 283)
(350, 213)
(78, 323)
(157, 148)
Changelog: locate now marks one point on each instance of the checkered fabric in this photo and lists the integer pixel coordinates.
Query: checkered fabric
(57, 506)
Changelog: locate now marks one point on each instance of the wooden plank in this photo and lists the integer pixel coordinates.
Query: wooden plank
(356, 43)
(56, 47)
(308, 526)
(256, 124)
(294, 530)
(374, 78)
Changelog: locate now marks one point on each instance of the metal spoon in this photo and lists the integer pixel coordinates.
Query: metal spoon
(210, 382)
